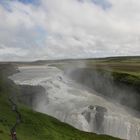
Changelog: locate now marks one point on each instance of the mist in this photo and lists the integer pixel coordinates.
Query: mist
(83, 97)
(103, 82)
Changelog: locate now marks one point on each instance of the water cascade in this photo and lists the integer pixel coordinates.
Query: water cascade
(72, 103)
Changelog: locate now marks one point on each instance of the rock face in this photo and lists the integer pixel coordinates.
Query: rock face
(95, 115)
(72, 103)
(103, 122)
(30, 95)
(114, 85)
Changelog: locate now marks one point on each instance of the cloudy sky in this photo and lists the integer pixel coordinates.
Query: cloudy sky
(58, 29)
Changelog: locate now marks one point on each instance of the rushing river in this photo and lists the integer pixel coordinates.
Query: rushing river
(72, 103)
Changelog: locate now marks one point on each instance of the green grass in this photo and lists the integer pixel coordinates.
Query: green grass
(35, 126)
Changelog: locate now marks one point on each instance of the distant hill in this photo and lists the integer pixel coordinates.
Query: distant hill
(111, 59)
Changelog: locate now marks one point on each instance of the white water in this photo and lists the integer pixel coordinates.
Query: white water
(70, 102)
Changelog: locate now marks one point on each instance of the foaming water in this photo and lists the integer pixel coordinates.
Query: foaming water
(72, 103)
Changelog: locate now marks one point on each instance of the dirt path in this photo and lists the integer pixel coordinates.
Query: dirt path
(18, 119)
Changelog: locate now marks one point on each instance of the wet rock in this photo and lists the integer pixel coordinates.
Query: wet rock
(100, 109)
(91, 107)
(95, 117)
(87, 115)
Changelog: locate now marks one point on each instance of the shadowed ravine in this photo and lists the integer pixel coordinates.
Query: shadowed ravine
(72, 103)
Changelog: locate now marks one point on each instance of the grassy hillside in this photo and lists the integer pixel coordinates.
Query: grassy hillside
(124, 70)
(34, 126)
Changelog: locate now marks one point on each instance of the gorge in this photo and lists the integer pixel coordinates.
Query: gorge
(73, 103)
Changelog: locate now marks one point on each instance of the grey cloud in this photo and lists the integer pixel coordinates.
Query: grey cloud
(67, 29)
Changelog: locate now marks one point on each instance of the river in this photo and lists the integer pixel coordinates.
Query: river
(70, 102)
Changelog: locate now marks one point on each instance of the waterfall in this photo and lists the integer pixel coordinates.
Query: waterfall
(118, 125)
(70, 102)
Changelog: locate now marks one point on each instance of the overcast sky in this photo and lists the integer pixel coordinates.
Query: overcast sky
(58, 29)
